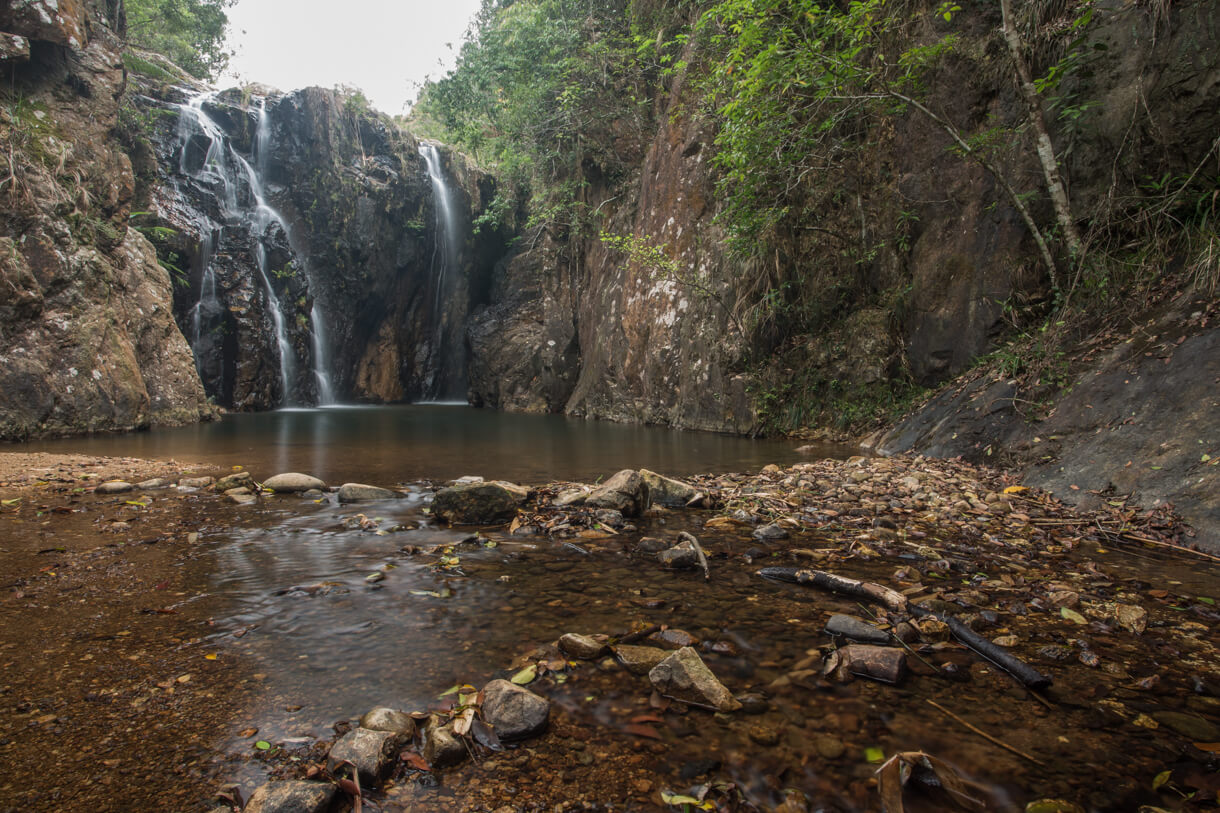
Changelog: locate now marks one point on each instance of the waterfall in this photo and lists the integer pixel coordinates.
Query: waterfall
(224, 170)
(449, 353)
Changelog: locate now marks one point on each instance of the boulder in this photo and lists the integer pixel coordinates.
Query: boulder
(665, 490)
(63, 22)
(684, 676)
(372, 752)
(293, 482)
(623, 492)
(241, 479)
(195, 482)
(442, 748)
(639, 660)
(886, 664)
(514, 711)
(358, 492)
(113, 487)
(293, 796)
(479, 503)
(387, 719)
(856, 629)
(581, 646)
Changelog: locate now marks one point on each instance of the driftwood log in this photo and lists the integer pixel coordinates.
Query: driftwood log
(896, 602)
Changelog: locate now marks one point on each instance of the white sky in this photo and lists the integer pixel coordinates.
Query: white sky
(384, 47)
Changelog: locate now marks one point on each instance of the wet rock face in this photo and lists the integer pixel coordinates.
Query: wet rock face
(87, 336)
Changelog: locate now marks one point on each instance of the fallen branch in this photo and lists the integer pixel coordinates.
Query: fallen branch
(896, 602)
(984, 734)
(707, 571)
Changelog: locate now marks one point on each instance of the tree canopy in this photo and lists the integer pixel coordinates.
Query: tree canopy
(189, 32)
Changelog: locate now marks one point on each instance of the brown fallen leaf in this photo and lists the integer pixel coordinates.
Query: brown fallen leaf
(247, 732)
(643, 731)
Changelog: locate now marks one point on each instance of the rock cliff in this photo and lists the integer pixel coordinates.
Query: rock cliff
(88, 340)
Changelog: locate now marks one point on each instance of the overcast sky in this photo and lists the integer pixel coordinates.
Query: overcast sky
(383, 47)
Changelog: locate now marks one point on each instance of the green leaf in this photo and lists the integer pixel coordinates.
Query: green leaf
(1161, 779)
(526, 675)
(262, 745)
(1072, 615)
(874, 754)
(1208, 600)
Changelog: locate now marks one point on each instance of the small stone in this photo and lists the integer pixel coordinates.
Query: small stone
(479, 503)
(293, 796)
(684, 676)
(829, 747)
(195, 482)
(372, 752)
(856, 629)
(236, 480)
(1006, 641)
(155, 484)
(514, 711)
(468, 480)
(237, 492)
(610, 517)
(765, 735)
(359, 492)
(886, 664)
(581, 646)
(770, 533)
(933, 630)
(383, 718)
(753, 703)
(681, 556)
(113, 487)
(650, 544)
(906, 632)
(1132, 617)
(241, 499)
(442, 748)
(639, 660)
(673, 638)
(293, 482)
(1188, 725)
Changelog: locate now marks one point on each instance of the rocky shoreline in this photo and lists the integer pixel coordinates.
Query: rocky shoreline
(981, 555)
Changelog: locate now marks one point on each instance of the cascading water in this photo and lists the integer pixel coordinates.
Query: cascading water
(450, 381)
(223, 169)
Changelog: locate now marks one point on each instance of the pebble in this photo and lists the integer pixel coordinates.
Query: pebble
(114, 487)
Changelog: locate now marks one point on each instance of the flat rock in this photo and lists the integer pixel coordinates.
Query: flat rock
(684, 676)
(155, 484)
(239, 496)
(673, 638)
(624, 492)
(291, 482)
(238, 479)
(639, 660)
(479, 503)
(581, 646)
(195, 482)
(113, 487)
(442, 748)
(514, 711)
(887, 664)
(1188, 725)
(372, 752)
(293, 796)
(768, 533)
(856, 629)
(650, 544)
(387, 719)
(359, 492)
(666, 491)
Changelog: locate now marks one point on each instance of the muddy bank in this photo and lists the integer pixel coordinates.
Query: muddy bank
(1133, 688)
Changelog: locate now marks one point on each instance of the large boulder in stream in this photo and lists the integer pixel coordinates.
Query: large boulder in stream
(293, 796)
(666, 491)
(623, 492)
(479, 503)
(292, 482)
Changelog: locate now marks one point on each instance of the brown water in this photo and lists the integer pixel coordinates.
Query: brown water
(387, 444)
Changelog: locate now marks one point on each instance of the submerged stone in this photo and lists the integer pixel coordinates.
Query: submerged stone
(856, 629)
(684, 676)
(639, 660)
(293, 796)
(359, 492)
(479, 503)
(581, 646)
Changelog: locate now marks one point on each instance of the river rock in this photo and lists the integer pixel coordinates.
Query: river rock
(372, 752)
(572, 496)
(292, 796)
(684, 676)
(292, 482)
(1188, 725)
(673, 638)
(650, 544)
(623, 492)
(681, 556)
(113, 487)
(442, 748)
(359, 492)
(241, 479)
(581, 646)
(856, 629)
(770, 533)
(155, 484)
(195, 482)
(639, 660)
(665, 490)
(387, 719)
(886, 664)
(514, 711)
(479, 503)
(240, 496)
(1132, 617)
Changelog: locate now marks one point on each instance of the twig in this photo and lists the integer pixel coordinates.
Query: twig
(707, 572)
(985, 735)
(903, 643)
(632, 637)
